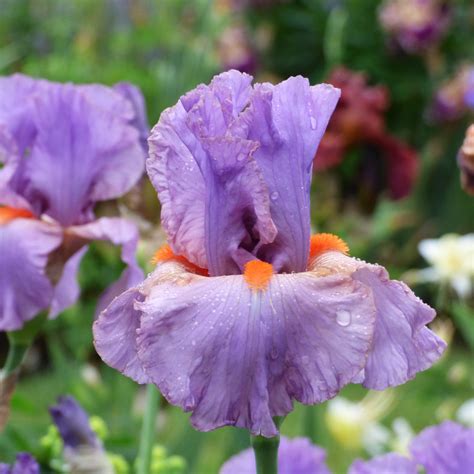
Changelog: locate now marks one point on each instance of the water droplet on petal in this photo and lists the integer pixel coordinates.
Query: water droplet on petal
(274, 196)
(314, 123)
(343, 318)
(241, 157)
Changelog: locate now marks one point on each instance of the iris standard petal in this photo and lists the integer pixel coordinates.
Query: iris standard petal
(25, 290)
(118, 231)
(82, 153)
(238, 356)
(391, 463)
(222, 154)
(288, 121)
(445, 449)
(206, 179)
(295, 456)
(179, 183)
(402, 345)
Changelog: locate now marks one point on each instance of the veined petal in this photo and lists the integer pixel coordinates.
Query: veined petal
(118, 231)
(67, 290)
(25, 290)
(140, 120)
(223, 154)
(206, 178)
(115, 337)
(81, 154)
(16, 107)
(237, 356)
(288, 121)
(445, 449)
(391, 463)
(402, 345)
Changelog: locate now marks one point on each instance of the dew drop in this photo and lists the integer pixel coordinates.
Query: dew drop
(274, 196)
(314, 123)
(343, 318)
(241, 157)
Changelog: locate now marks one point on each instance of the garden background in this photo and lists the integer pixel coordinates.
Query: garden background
(167, 47)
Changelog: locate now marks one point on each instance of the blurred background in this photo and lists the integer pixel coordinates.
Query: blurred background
(390, 173)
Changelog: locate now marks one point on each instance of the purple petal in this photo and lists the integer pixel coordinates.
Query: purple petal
(295, 456)
(197, 165)
(67, 290)
(219, 157)
(445, 449)
(9, 156)
(179, 183)
(140, 120)
(288, 121)
(115, 337)
(402, 345)
(118, 231)
(73, 423)
(25, 464)
(25, 290)
(16, 107)
(386, 464)
(82, 154)
(236, 356)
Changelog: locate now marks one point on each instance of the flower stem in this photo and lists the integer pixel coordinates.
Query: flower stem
(266, 454)
(147, 436)
(18, 344)
(266, 451)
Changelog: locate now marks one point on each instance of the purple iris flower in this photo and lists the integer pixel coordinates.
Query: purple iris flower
(295, 456)
(447, 448)
(24, 464)
(63, 149)
(245, 312)
(82, 447)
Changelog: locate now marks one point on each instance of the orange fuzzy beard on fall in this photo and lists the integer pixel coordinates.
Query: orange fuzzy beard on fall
(258, 274)
(165, 254)
(9, 213)
(320, 243)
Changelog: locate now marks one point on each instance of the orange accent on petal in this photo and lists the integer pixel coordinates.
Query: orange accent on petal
(258, 274)
(321, 243)
(9, 213)
(165, 254)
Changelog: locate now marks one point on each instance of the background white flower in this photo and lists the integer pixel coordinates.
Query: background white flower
(451, 259)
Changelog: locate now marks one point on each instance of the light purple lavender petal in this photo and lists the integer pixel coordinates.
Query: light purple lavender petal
(25, 290)
(295, 456)
(235, 356)
(115, 337)
(140, 120)
(121, 232)
(230, 162)
(445, 449)
(67, 290)
(391, 463)
(288, 121)
(81, 154)
(402, 345)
